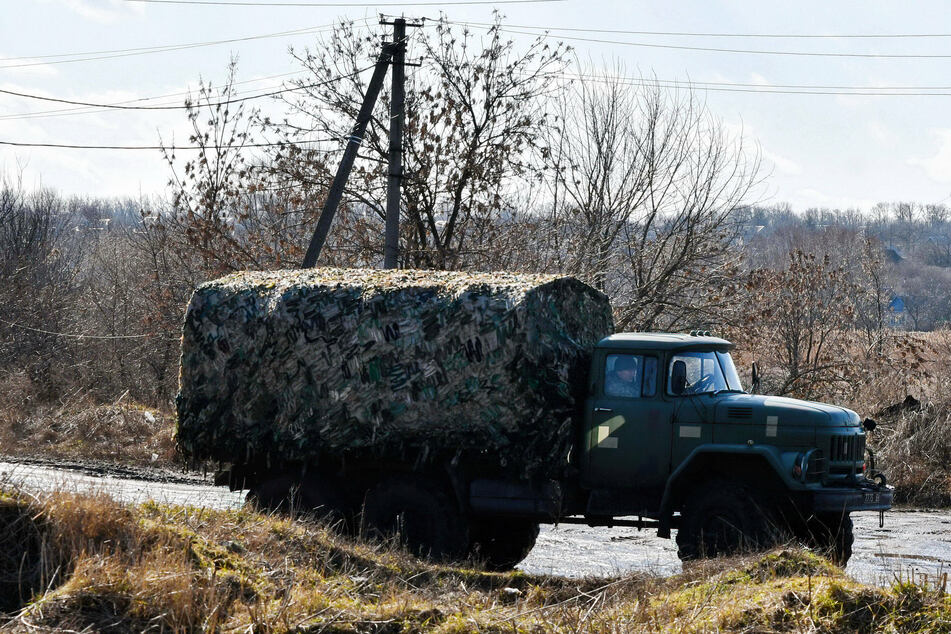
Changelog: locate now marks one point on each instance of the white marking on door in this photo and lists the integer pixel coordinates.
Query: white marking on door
(690, 431)
(605, 439)
(771, 423)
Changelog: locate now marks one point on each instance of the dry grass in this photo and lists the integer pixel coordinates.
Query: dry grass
(121, 432)
(111, 568)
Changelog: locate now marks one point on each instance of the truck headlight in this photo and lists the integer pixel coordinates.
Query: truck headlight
(809, 466)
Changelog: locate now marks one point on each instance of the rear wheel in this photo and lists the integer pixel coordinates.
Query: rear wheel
(278, 494)
(724, 518)
(318, 495)
(500, 544)
(419, 514)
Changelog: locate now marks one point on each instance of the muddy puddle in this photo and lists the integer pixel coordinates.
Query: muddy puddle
(911, 542)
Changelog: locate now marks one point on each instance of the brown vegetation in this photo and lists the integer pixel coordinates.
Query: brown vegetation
(89, 564)
(509, 165)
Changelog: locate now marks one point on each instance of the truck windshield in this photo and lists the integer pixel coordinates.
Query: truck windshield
(702, 372)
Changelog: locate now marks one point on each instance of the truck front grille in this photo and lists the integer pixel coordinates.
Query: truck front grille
(847, 448)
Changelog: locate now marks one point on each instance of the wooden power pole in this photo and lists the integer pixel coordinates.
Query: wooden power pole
(391, 242)
(393, 52)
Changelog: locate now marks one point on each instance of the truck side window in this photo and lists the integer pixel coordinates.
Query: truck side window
(701, 373)
(630, 375)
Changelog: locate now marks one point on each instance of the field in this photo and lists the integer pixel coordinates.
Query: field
(89, 564)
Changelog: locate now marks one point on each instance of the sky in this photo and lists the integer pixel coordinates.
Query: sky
(826, 146)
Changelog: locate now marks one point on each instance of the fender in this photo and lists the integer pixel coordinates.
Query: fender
(766, 453)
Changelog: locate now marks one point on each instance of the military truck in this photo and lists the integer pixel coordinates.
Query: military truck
(660, 434)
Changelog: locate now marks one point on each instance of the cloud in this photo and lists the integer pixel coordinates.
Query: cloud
(783, 165)
(880, 132)
(938, 166)
(102, 11)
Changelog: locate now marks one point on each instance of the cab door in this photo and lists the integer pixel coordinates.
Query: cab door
(627, 431)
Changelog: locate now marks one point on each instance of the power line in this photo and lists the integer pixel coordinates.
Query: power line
(737, 35)
(708, 49)
(117, 106)
(63, 112)
(765, 89)
(795, 88)
(173, 148)
(72, 335)
(240, 3)
(156, 49)
(146, 49)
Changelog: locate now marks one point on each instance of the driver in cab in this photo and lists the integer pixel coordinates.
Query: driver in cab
(623, 379)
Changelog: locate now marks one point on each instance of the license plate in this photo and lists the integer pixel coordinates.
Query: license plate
(872, 498)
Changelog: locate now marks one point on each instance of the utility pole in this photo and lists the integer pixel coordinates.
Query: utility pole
(346, 163)
(395, 51)
(391, 242)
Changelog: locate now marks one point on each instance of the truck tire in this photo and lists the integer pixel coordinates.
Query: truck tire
(500, 544)
(323, 498)
(274, 495)
(317, 495)
(723, 518)
(418, 513)
(831, 534)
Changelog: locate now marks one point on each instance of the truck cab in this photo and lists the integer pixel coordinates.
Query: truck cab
(670, 434)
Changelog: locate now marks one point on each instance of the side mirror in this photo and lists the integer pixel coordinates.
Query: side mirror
(869, 424)
(678, 378)
(754, 388)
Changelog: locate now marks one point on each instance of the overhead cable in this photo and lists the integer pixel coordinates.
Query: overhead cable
(707, 49)
(721, 34)
(79, 335)
(251, 3)
(161, 47)
(172, 148)
(118, 106)
(845, 90)
(153, 49)
(63, 112)
(759, 88)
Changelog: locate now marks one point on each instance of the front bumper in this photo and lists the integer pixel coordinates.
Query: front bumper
(859, 498)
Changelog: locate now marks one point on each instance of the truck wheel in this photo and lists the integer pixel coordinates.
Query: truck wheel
(502, 543)
(323, 497)
(723, 518)
(832, 534)
(277, 494)
(424, 519)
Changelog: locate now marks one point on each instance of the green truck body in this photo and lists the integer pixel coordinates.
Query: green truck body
(666, 438)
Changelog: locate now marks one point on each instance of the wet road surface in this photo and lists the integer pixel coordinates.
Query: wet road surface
(911, 542)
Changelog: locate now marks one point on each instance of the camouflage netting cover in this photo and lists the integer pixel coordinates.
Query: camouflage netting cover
(285, 365)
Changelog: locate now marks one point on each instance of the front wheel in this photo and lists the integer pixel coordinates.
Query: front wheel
(831, 534)
(721, 519)
(419, 514)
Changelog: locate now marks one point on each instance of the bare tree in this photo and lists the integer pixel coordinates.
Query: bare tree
(474, 119)
(643, 191)
(798, 324)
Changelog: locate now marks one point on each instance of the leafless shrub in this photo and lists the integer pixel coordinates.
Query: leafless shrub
(643, 191)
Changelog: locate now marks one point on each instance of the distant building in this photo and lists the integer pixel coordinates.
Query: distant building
(897, 315)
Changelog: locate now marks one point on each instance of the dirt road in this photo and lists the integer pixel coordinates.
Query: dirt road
(918, 541)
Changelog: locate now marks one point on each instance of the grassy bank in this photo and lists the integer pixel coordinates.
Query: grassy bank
(98, 566)
(121, 433)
